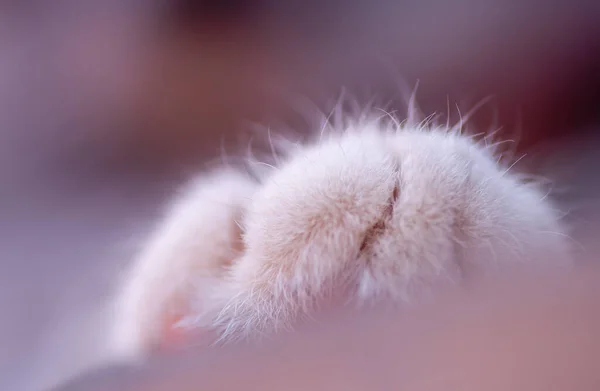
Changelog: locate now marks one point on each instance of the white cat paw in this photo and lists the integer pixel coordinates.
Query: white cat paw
(372, 212)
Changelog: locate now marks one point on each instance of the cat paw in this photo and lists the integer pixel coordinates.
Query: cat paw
(374, 212)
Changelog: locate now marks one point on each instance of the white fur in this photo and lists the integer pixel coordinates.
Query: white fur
(182, 260)
(376, 211)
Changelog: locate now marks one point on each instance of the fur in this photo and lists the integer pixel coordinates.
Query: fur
(373, 210)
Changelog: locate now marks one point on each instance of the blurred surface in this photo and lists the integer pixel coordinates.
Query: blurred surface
(522, 332)
(105, 107)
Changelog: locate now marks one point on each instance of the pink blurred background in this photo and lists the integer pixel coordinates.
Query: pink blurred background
(105, 107)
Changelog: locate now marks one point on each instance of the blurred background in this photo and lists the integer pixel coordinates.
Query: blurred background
(105, 107)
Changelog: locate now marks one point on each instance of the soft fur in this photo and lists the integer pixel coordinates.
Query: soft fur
(372, 210)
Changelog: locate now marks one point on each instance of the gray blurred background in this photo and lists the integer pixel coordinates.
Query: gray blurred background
(105, 107)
